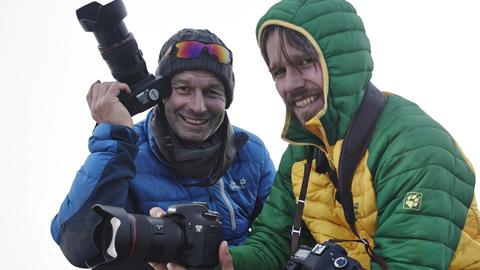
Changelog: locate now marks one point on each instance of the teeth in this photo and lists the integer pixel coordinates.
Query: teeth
(194, 121)
(304, 102)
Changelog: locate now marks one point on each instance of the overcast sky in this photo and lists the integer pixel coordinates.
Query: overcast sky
(426, 51)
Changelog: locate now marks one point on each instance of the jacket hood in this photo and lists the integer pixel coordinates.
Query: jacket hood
(338, 35)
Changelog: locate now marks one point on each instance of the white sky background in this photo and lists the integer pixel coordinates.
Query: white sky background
(426, 51)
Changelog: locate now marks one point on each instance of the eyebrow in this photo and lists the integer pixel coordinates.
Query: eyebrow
(292, 59)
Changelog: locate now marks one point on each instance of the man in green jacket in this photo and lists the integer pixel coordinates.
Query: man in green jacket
(413, 189)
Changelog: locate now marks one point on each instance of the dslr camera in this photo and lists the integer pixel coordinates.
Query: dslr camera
(189, 234)
(120, 50)
(325, 256)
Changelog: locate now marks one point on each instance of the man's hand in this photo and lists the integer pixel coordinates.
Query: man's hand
(105, 106)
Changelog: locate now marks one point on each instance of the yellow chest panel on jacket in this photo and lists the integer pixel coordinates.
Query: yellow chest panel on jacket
(324, 216)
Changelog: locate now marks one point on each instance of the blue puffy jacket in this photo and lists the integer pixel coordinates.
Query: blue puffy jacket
(125, 168)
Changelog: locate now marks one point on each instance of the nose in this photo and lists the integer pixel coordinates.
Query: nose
(197, 102)
(293, 80)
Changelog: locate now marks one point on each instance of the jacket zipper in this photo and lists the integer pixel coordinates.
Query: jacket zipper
(229, 204)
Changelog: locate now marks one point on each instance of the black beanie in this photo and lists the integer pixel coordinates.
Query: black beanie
(169, 65)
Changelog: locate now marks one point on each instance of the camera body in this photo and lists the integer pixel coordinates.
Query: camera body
(120, 50)
(188, 234)
(325, 256)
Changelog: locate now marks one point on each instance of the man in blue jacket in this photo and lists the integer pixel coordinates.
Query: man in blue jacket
(184, 151)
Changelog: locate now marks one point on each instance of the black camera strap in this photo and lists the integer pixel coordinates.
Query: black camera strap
(355, 143)
(297, 222)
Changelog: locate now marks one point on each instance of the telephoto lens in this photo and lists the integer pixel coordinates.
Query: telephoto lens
(116, 44)
(189, 234)
(120, 51)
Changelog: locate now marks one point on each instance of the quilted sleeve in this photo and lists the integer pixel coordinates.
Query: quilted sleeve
(424, 188)
(102, 179)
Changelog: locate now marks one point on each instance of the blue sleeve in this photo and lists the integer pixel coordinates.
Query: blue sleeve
(103, 179)
(266, 181)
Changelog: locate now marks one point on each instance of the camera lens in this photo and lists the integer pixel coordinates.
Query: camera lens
(116, 44)
(121, 236)
(340, 262)
(188, 234)
(120, 51)
(104, 21)
(143, 239)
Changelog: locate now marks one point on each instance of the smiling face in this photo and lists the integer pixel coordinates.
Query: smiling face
(196, 107)
(297, 75)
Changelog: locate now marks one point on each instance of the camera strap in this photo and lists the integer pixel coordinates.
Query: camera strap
(355, 143)
(297, 222)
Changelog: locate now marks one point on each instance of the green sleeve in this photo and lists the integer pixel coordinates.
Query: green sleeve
(424, 188)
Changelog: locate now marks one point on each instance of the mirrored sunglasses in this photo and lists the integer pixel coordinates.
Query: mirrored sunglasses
(189, 49)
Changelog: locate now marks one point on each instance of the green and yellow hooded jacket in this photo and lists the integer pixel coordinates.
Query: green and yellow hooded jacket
(413, 190)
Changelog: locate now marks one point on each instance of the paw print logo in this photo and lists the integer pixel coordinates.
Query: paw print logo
(413, 201)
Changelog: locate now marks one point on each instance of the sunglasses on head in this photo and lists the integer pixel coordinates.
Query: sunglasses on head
(189, 49)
